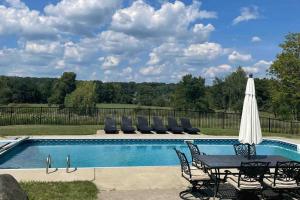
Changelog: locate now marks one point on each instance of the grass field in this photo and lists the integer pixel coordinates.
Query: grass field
(233, 132)
(91, 129)
(77, 190)
(48, 130)
(99, 105)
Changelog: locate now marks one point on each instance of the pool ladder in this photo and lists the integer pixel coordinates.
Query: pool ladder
(48, 163)
(69, 164)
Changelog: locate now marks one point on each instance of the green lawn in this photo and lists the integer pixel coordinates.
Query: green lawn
(48, 130)
(77, 190)
(232, 132)
(91, 129)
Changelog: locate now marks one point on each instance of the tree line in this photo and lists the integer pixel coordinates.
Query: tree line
(278, 94)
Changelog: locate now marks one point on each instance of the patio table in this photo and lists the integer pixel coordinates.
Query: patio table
(217, 162)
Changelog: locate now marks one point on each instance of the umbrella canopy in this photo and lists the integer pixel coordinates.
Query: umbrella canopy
(250, 131)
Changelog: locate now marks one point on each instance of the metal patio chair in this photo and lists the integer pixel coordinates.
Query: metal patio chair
(244, 149)
(195, 153)
(286, 177)
(197, 177)
(250, 177)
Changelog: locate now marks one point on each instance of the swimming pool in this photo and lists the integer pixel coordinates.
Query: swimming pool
(32, 153)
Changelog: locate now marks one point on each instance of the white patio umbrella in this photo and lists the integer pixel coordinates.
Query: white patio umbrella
(250, 131)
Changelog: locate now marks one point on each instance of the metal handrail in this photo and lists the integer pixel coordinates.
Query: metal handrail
(48, 163)
(68, 163)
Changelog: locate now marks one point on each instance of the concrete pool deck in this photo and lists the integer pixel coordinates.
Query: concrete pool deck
(123, 182)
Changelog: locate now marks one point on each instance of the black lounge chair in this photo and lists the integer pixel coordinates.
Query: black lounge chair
(158, 125)
(250, 177)
(126, 125)
(173, 126)
(244, 149)
(142, 125)
(187, 127)
(197, 177)
(110, 126)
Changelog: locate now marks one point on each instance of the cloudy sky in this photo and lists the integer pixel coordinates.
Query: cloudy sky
(142, 40)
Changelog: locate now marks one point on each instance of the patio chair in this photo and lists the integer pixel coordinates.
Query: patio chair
(244, 149)
(250, 176)
(286, 177)
(110, 126)
(195, 176)
(158, 125)
(187, 127)
(195, 153)
(173, 126)
(142, 125)
(126, 125)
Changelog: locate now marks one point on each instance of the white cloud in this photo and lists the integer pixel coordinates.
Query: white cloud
(172, 19)
(259, 67)
(109, 62)
(118, 43)
(247, 13)
(238, 57)
(67, 16)
(255, 39)
(217, 70)
(81, 16)
(127, 70)
(152, 70)
(204, 51)
(16, 4)
(19, 20)
(43, 47)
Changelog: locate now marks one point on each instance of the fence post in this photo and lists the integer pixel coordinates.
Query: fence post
(223, 120)
(97, 116)
(41, 115)
(69, 116)
(269, 125)
(292, 131)
(149, 116)
(11, 115)
(199, 119)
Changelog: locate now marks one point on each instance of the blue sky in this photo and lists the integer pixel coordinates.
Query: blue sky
(143, 40)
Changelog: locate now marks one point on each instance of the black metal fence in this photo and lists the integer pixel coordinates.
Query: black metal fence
(96, 116)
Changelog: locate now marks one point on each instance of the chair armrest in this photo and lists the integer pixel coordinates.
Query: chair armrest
(227, 172)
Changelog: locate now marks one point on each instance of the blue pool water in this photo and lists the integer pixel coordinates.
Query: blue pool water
(115, 153)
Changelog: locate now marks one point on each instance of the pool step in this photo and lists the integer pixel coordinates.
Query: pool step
(11, 143)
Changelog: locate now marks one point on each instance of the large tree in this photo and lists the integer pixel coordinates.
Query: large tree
(235, 85)
(228, 94)
(5, 91)
(83, 98)
(286, 78)
(190, 93)
(63, 86)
